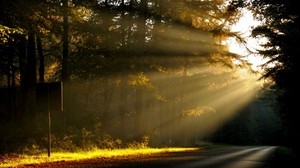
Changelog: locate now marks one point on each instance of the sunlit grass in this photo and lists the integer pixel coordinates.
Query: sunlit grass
(20, 160)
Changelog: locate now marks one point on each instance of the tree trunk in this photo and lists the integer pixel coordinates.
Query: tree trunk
(11, 84)
(123, 104)
(142, 25)
(41, 59)
(65, 39)
(138, 114)
(30, 78)
(65, 60)
(22, 66)
(107, 117)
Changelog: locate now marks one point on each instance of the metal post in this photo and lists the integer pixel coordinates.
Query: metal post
(49, 124)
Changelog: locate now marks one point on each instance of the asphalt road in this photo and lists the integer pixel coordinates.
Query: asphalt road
(232, 157)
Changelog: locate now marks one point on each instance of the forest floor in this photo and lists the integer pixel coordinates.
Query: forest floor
(143, 161)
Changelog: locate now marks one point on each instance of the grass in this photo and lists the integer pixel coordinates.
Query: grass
(19, 160)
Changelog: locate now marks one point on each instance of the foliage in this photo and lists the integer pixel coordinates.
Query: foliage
(107, 142)
(7, 33)
(281, 28)
(140, 145)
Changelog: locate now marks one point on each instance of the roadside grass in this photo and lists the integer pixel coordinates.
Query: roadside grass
(25, 159)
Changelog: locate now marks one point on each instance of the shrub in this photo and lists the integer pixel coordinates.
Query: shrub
(139, 145)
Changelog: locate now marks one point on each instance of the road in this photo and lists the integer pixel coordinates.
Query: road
(225, 157)
(232, 157)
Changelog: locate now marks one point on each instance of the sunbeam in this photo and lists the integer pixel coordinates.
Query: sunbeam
(177, 106)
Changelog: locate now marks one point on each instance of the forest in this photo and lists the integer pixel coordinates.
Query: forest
(144, 73)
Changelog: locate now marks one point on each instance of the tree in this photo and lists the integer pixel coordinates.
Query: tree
(65, 41)
(281, 28)
(26, 28)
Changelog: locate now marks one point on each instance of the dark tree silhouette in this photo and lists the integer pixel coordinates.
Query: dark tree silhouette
(281, 26)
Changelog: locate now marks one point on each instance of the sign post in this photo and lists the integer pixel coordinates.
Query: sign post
(49, 121)
(49, 97)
